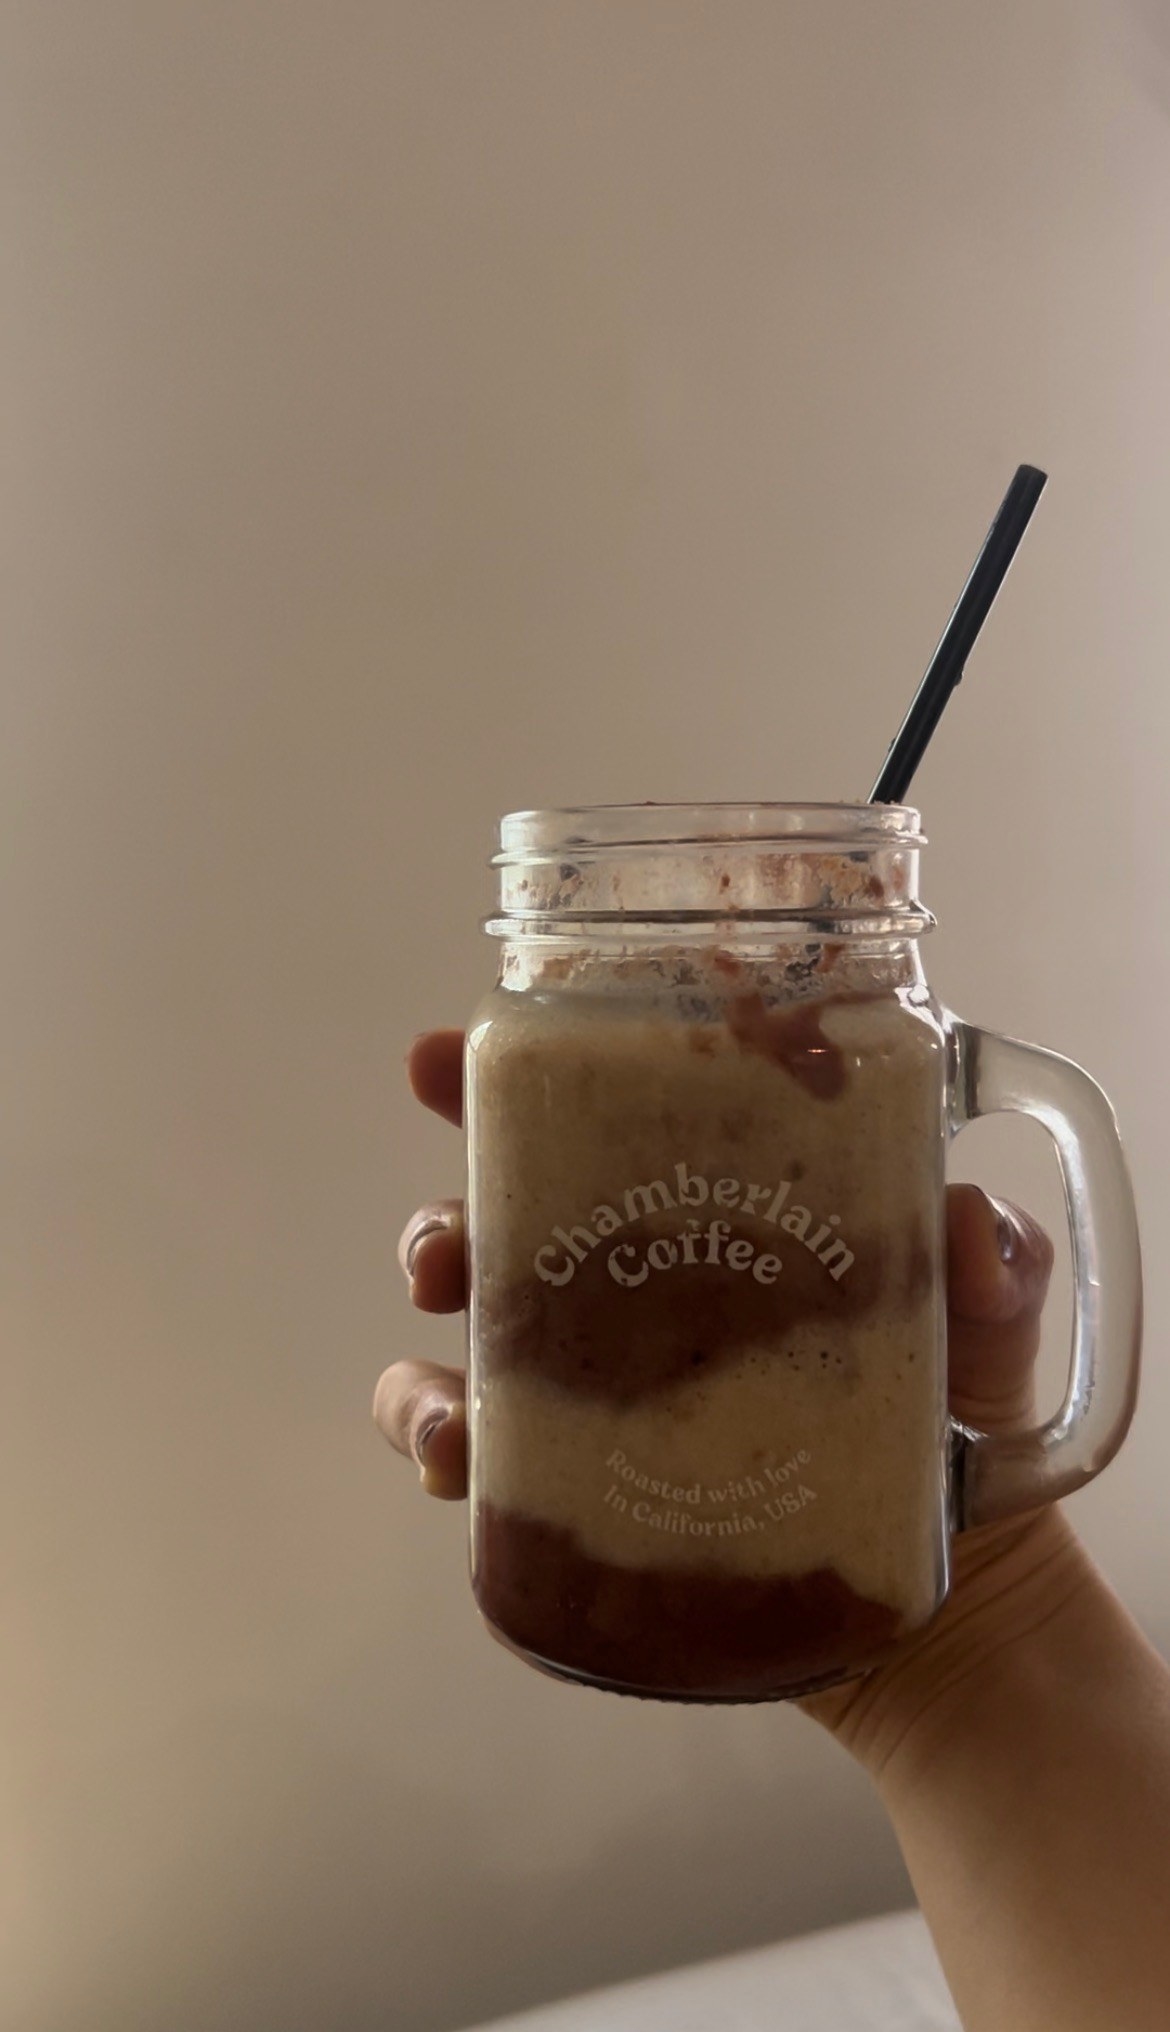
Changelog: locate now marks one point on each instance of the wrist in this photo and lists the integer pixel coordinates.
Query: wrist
(1016, 1588)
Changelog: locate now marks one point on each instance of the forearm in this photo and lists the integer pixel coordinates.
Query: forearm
(1023, 1754)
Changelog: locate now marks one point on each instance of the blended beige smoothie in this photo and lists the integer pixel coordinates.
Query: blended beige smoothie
(707, 1367)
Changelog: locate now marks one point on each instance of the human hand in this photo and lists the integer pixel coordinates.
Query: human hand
(998, 1266)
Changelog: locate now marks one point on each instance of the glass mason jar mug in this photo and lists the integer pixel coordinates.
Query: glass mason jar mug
(709, 1104)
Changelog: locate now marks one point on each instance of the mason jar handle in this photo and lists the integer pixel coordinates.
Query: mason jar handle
(998, 1474)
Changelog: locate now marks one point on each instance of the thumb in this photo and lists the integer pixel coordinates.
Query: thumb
(999, 1261)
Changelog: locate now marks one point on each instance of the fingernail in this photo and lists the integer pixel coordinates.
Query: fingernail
(1007, 1233)
(425, 1434)
(434, 1224)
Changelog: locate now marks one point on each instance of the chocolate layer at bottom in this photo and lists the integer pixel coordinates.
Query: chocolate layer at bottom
(670, 1634)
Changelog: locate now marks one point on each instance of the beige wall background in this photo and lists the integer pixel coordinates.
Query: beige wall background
(411, 411)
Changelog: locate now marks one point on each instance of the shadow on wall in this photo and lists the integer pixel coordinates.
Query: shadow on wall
(300, 1911)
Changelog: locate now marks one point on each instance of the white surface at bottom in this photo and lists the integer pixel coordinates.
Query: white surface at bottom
(879, 1975)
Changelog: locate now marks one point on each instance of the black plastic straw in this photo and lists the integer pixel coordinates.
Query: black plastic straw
(959, 636)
